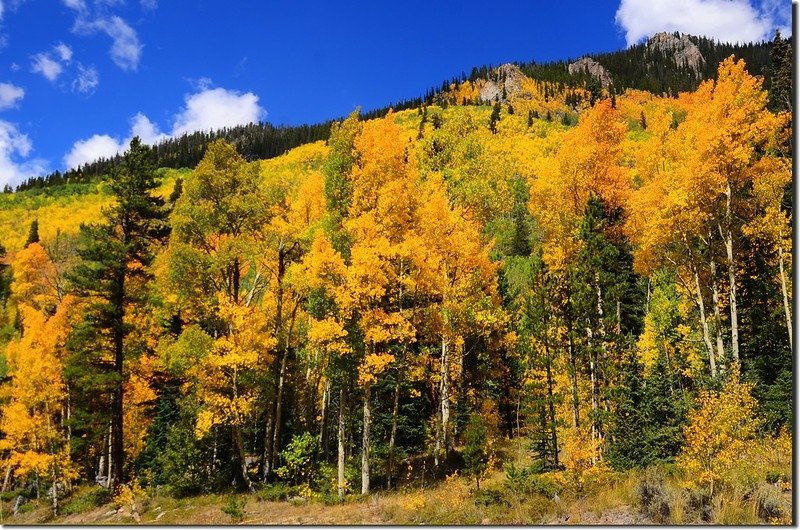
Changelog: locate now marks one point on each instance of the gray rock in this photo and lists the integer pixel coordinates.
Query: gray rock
(684, 51)
(592, 67)
(508, 76)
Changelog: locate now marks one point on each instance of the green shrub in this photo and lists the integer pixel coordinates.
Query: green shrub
(274, 492)
(85, 500)
(528, 481)
(298, 459)
(491, 496)
(234, 508)
(476, 450)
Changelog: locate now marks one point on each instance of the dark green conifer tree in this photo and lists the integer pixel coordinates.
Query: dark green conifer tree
(494, 117)
(33, 233)
(112, 277)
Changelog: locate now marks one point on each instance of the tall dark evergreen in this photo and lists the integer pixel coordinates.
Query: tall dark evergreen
(112, 277)
(650, 414)
(780, 74)
(495, 117)
(33, 233)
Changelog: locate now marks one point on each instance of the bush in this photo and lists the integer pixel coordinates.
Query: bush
(274, 492)
(298, 458)
(770, 503)
(490, 496)
(86, 499)
(234, 508)
(653, 497)
(529, 481)
(476, 447)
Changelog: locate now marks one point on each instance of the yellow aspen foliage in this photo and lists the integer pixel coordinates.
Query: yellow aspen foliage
(35, 278)
(580, 453)
(225, 387)
(587, 162)
(139, 399)
(720, 433)
(34, 438)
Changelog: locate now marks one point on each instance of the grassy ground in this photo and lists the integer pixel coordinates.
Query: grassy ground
(654, 496)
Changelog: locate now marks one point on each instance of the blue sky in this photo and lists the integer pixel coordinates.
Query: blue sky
(79, 77)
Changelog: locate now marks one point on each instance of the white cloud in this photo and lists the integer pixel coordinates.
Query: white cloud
(10, 95)
(14, 67)
(105, 146)
(780, 11)
(126, 50)
(208, 109)
(42, 63)
(89, 150)
(86, 81)
(63, 51)
(724, 20)
(146, 130)
(76, 5)
(216, 108)
(149, 5)
(13, 145)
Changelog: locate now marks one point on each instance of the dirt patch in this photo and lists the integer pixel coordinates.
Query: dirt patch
(619, 515)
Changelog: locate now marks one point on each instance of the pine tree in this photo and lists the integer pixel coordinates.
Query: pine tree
(494, 118)
(112, 277)
(33, 233)
(780, 69)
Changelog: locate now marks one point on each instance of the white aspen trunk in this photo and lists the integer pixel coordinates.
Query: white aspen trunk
(340, 457)
(786, 307)
(365, 443)
(393, 432)
(731, 274)
(573, 375)
(717, 316)
(595, 383)
(7, 478)
(704, 323)
(323, 419)
(110, 479)
(593, 379)
(444, 393)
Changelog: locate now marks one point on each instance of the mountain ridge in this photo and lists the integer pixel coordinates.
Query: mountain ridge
(667, 63)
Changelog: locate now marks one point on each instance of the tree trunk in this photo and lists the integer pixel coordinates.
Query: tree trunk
(275, 421)
(323, 422)
(444, 400)
(731, 274)
(717, 316)
(117, 447)
(786, 306)
(340, 457)
(550, 400)
(393, 431)
(548, 366)
(365, 442)
(704, 323)
(241, 463)
(573, 375)
(7, 478)
(109, 465)
(593, 378)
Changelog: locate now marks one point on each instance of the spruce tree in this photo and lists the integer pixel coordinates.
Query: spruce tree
(494, 118)
(33, 233)
(112, 277)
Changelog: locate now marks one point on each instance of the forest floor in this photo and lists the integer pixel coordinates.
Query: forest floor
(455, 500)
(444, 504)
(604, 498)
